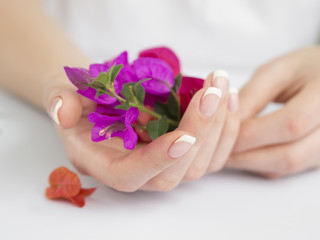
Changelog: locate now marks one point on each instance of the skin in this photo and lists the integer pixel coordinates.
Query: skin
(284, 142)
(275, 145)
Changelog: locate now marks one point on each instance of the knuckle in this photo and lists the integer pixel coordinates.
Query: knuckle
(274, 67)
(163, 185)
(292, 161)
(297, 125)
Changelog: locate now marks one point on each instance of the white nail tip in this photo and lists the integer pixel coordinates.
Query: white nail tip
(56, 110)
(186, 138)
(220, 73)
(213, 90)
(233, 90)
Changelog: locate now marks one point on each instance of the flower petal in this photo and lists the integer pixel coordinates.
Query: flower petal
(102, 99)
(166, 55)
(131, 115)
(105, 120)
(159, 72)
(189, 86)
(97, 68)
(110, 110)
(63, 183)
(121, 59)
(79, 77)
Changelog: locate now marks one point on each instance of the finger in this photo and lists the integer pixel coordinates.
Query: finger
(228, 137)
(143, 164)
(197, 124)
(280, 160)
(195, 120)
(265, 85)
(211, 134)
(295, 120)
(63, 104)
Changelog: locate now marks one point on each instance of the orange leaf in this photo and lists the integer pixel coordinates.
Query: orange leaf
(63, 183)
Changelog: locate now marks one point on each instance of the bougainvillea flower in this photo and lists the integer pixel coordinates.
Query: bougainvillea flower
(107, 127)
(79, 199)
(110, 110)
(162, 78)
(189, 86)
(66, 184)
(80, 77)
(166, 55)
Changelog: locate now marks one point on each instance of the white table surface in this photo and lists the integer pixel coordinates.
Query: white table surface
(226, 205)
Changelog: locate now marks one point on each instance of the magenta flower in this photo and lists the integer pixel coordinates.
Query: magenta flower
(159, 71)
(107, 127)
(79, 77)
(189, 86)
(164, 54)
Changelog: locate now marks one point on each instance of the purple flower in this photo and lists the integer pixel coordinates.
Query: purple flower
(107, 127)
(79, 77)
(158, 70)
(166, 54)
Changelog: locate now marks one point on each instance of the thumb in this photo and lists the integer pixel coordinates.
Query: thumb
(63, 104)
(266, 84)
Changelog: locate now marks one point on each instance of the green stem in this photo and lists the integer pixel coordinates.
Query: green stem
(143, 108)
(139, 126)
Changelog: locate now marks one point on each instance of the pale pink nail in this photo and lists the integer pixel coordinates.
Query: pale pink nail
(220, 80)
(233, 104)
(54, 109)
(181, 146)
(210, 101)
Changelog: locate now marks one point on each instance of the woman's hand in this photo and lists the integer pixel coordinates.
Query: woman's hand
(286, 141)
(201, 143)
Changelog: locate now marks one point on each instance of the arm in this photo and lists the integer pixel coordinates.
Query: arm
(33, 49)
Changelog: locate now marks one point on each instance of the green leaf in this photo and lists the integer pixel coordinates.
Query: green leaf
(125, 91)
(173, 106)
(97, 85)
(114, 71)
(158, 127)
(102, 78)
(139, 92)
(124, 106)
(177, 83)
(99, 93)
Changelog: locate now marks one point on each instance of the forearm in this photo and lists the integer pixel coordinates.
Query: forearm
(33, 49)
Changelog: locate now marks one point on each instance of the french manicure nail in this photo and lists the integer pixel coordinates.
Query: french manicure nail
(233, 100)
(210, 101)
(181, 146)
(54, 109)
(220, 80)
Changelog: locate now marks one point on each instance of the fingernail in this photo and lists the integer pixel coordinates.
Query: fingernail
(220, 80)
(233, 104)
(54, 109)
(181, 146)
(210, 101)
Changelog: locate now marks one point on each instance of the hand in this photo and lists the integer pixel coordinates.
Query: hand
(286, 141)
(160, 165)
